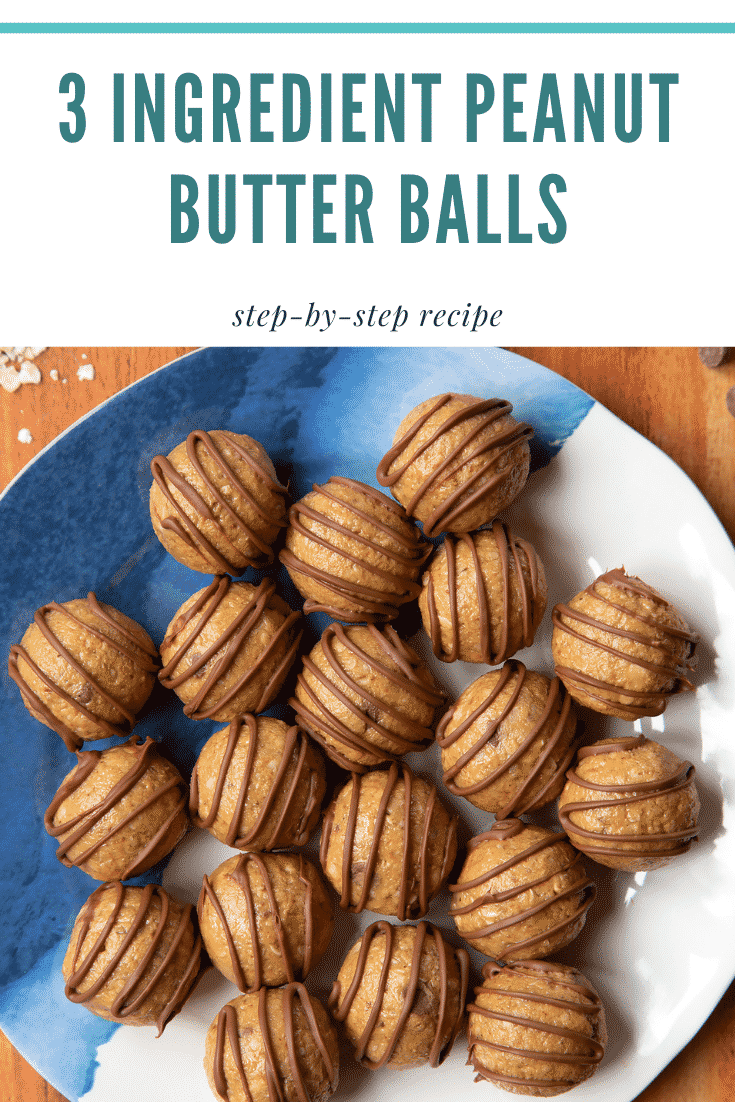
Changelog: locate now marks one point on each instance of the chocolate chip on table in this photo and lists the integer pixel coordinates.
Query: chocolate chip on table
(714, 357)
(730, 400)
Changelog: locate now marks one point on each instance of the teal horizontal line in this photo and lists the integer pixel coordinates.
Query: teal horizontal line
(367, 28)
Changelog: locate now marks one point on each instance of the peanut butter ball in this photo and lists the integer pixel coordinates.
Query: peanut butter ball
(229, 648)
(483, 596)
(388, 843)
(119, 811)
(266, 919)
(84, 669)
(216, 504)
(621, 648)
(258, 784)
(522, 892)
(457, 461)
(272, 1044)
(365, 696)
(535, 1028)
(401, 993)
(629, 803)
(508, 741)
(134, 955)
(352, 552)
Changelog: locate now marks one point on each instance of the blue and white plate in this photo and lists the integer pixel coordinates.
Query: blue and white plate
(658, 947)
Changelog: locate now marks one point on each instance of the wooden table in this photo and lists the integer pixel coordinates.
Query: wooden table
(664, 393)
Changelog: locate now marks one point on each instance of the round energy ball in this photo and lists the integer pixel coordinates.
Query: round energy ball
(272, 1044)
(535, 1028)
(216, 504)
(119, 811)
(620, 648)
(629, 803)
(508, 741)
(388, 843)
(352, 552)
(483, 596)
(365, 696)
(401, 993)
(522, 892)
(258, 784)
(265, 918)
(84, 669)
(457, 461)
(229, 648)
(134, 955)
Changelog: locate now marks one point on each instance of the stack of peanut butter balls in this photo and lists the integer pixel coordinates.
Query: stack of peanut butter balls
(390, 841)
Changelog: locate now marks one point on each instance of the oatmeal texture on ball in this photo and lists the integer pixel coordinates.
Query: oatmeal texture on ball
(457, 461)
(483, 596)
(365, 696)
(508, 741)
(388, 843)
(523, 892)
(84, 669)
(258, 785)
(272, 1044)
(215, 502)
(630, 803)
(119, 811)
(266, 918)
(535, 1028)
(229, 648)
(621, 648)
(134, 955)
(352, 552)
(401, 992)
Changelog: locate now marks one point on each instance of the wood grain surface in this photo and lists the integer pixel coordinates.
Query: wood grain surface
(666, 394)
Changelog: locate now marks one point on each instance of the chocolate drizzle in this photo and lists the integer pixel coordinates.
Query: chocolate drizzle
(166, 476)
(144, 656)
(572, 864)
(558, 705)
(296, 752)
(440, 1047)
(404, 672)
(448, 515)
(376, 603)
(140, 985)
(511, 551)
(650, 846)
(415, 868)
(230, 641)
(671, 669)
(228, 1035)
(240, 874)
(73, 830)
(568, 991)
